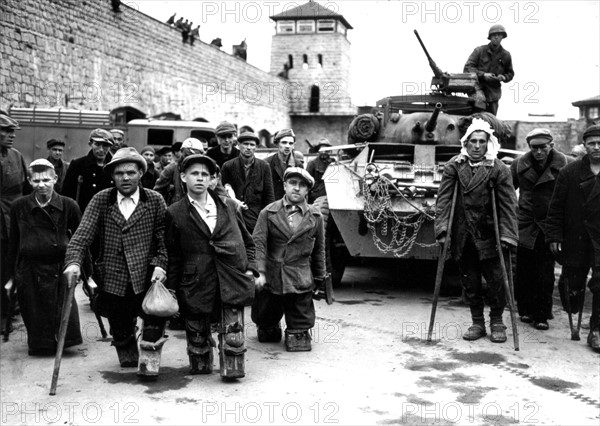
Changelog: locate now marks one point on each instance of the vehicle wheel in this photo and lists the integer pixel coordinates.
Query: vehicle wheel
(336, 253)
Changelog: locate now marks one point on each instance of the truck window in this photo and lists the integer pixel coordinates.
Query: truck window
(160, 137)
(201, 134)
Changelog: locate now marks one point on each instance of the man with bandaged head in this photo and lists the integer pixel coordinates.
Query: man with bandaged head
(475, 172)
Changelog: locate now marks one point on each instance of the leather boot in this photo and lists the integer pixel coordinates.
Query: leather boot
(477, 330)
(297, 341)
(269, 334)
(498, 330)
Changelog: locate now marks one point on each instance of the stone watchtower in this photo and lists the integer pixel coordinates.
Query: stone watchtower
(311, 50)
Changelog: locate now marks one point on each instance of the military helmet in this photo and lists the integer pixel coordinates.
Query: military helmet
(497, 29)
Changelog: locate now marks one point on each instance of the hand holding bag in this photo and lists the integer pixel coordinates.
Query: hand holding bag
(159, 301)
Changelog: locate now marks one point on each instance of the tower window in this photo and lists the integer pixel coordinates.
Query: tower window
(305, 61)
(286, 27)
(290, 61)
(306, 27)
(325, 26)
(313, 103)
(320, 59)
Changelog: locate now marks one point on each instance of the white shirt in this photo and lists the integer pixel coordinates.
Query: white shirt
(127, 204)
(208, 213)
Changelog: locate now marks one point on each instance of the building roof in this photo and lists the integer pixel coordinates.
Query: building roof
(310, 10)
(595, 100)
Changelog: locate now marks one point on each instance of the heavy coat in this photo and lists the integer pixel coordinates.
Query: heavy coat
(574, 215)
(473, 211)
(317, 168)
(256, 190)
(277, 170)
(221, 158)
(94, 179)
(485, 59)
(128, 249)
(60, 167)
(170, 185)
(38, 242)
(13, 184)
(535, 192)
(290, 258)
(203, 262)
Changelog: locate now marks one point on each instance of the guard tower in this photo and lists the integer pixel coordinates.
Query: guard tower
(311, 50)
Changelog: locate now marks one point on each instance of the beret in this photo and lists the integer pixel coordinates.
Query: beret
(177, 146)
(591, 131)
(164, 150)
(199, 159)
(539, 134)
(299, 171)
(282, 134)
(54, 142)
(225, 127)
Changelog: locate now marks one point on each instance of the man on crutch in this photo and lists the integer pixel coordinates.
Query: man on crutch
(473, 242)
(573, 225)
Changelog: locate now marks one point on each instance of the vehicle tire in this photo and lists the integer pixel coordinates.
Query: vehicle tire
(336, 253)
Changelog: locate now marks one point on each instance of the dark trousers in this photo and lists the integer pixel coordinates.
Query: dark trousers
(534, 283)
(269, 308)
(576, 278)
(475, 295)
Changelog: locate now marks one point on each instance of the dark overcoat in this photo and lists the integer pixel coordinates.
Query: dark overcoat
(202, 263)
(277, 170)
(38, 242)
(94, 179)
(574, 215)
(13, 184)
(290, 258)
(256, 189)
(535, 192)
(129, 249)
(473, 212)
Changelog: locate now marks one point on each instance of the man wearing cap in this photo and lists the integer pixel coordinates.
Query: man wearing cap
(285, 157)
(118, 140)
(165, 157)
(493, 66)
(250, 179)
(56, 148)
(129, 221)
(225, 151)
(13, 184)
(151, 176)
(85, 176)
(573, 226)
(290, 254)
(534, 174)
(478, 171)
(169, 184)
(41, 225)
(212, 269)
(317, 168)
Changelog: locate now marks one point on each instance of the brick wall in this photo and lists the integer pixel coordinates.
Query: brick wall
(101, 60)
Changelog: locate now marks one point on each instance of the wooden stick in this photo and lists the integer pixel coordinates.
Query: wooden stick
(62, 334)
(440, 266)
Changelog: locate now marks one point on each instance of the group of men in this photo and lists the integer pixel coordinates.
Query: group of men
(556, 218)
(217, 250)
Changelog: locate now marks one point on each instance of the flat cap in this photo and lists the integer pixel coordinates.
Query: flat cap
(248, 136)
(199, 159)
(225, 127)
(102, 136)
(7, 122)
(164, 150)
(300, 172)
(193, 143)
(593, 130)
(54, 142)
(539, 134)
(41, 164)
(126, 155)
(282, 134)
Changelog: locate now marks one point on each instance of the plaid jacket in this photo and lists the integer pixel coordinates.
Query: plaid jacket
(129, 249)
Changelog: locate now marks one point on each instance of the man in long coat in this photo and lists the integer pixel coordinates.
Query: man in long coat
(284, 157)
(56, 149)
(211, 267)
(473, 244)
(534, 174)
(41, 225)
(290, 254)
(573, 225)
(250, 179)
(129, 222)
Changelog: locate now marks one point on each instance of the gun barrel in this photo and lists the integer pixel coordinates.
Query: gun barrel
(436, 70)
(431, 123)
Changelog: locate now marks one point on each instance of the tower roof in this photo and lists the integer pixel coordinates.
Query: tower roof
(310, 10)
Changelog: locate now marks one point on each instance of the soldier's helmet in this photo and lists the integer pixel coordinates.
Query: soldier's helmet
(495, 29)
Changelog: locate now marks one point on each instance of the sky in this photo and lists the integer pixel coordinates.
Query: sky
(555, 45)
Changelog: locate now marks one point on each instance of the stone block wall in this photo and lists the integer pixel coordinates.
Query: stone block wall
(80, 54)
(566, 134)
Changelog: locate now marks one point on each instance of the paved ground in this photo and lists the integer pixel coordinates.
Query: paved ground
(370, 364)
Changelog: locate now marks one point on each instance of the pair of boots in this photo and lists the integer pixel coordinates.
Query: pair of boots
(295, 340)
(477, 330)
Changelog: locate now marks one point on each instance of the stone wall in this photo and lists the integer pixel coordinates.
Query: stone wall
(82, 52)
(566, 134)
